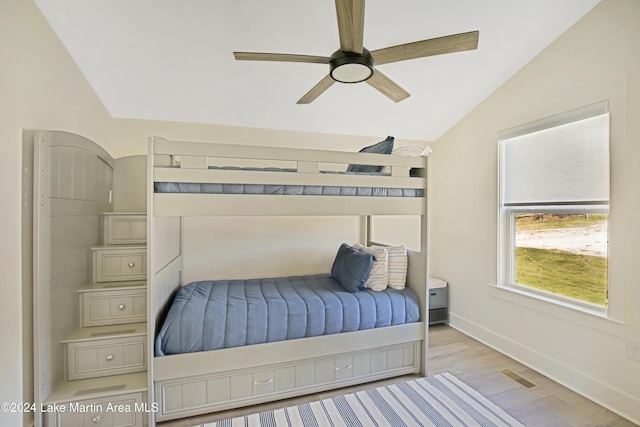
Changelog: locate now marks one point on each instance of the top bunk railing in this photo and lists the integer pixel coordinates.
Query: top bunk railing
(191, 169)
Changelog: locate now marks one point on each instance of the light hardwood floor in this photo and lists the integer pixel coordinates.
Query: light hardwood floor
(549, 404)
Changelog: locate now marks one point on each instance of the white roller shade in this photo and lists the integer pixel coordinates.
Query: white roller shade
(567, 164)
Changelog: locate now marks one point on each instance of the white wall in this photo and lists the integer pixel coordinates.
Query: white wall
(589, 63)
(255, 247)
(41, 88)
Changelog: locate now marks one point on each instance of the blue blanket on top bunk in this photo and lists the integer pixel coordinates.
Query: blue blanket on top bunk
(210, 315)
(287, 189)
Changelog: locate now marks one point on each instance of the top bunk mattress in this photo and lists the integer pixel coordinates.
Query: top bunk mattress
(285, 189)
(210, 315)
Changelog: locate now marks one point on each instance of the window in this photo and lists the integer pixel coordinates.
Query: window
(554, 204)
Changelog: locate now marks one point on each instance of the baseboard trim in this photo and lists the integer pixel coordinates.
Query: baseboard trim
(615, 400)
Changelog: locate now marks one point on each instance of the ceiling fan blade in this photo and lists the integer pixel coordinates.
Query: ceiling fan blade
(350, 24)
(430, 47)
(286, 57)
(317, 90)
(388, 87)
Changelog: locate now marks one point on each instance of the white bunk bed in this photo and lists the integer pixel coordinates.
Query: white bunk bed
(189, 384)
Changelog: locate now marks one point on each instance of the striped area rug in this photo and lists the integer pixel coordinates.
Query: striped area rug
(439, 400)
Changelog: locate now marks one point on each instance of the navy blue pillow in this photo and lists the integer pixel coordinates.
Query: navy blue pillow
(382, 147)
(351, 268)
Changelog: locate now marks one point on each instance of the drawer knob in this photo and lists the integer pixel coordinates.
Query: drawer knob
(345, 368)
(132, 264)
(96, 419)
(121, 307)
(269, 381)
(109, 357)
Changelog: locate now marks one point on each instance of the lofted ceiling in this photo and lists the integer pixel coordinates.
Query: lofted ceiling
(173, 60)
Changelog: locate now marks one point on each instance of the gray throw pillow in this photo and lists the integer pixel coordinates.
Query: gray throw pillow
(351, 268)
(382, 147)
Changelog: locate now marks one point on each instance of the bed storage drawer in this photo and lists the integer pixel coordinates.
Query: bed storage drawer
(112, 306)
(114, 411)
(120, 263)
(112, 356)
(189, 396)
(125, 228)
(244, 385)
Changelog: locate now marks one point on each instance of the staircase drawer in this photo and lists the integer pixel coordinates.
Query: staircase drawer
(113, 307)
(120, 264)
(125, 229)
(125, 410)
(112, 356)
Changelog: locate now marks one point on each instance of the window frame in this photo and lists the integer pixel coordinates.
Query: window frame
(510, 280)
(507, 214)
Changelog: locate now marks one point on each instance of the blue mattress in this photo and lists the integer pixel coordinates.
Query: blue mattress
(297, 190)
(210, 315)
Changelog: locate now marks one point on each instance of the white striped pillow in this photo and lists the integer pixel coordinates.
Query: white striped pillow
(408, 151)
(379, 275)
(398, 264)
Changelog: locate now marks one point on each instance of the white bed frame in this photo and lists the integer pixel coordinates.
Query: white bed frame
(190, 384)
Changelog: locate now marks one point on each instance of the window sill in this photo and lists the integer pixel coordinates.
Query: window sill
(593, 319)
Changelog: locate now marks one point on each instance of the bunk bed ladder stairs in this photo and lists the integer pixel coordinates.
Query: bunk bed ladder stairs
(106, 357)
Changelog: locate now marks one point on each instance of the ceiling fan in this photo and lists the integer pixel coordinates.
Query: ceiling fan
(352, 63)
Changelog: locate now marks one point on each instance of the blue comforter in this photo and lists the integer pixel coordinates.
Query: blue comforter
(210, 315)
(288, 189)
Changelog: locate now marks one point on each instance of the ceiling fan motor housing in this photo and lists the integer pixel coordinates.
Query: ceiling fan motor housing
(351, 67)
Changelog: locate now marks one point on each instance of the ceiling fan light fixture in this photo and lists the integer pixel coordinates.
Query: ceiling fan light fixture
(352, 63)
(350, 67)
